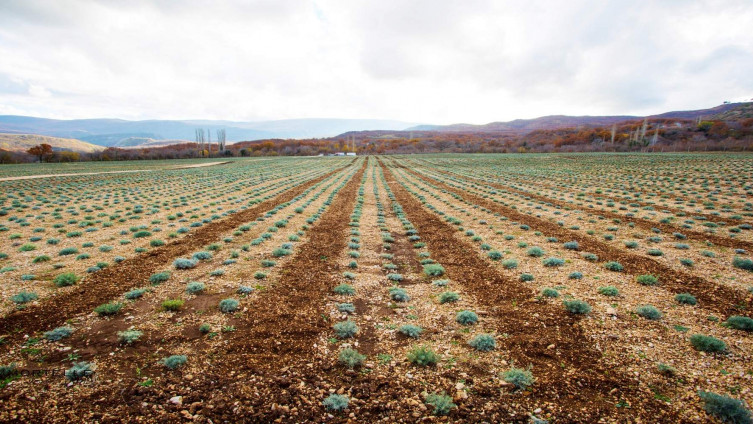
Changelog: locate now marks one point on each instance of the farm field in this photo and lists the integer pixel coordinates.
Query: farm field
(560, 288)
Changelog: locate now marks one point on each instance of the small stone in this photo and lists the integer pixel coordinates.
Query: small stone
(176, 400)
(551, 346)
(612, 311)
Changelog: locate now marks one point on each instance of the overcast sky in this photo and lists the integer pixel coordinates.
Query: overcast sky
(433, 61)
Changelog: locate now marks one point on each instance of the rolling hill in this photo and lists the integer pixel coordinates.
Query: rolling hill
(22, 142)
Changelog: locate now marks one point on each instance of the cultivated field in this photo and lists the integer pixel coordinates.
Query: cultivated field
(447, 288)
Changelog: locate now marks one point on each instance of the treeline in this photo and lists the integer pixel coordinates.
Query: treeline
(655, 135)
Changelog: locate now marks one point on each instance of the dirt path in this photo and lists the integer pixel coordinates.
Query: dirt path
(131, 273)
(34, 177)
(721, 299)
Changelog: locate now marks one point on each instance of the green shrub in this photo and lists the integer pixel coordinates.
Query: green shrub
(141, 234)
(510, 263)
(550, 292)
(345, 289)
(494, 255)
(174, 361)
(205, 328)
(280, 252)
(613, 266)
(423, 356)
(66, 279)
(346, 307)
(609, 291)
(335, 402)
(707, 343)
(483, 342)
(159, 277)
(129, 336)
(183, 263)
(395, 277)
(448, 297)
(228, 305)
(434, 270)
(553, 262)
(345, 329)
(647, 280)
(24, 297)
(58, 333)
(135, 294)
(726, 409)
(466, 317)
(743, 263)
(535, 252)
(526, 277)
(28, 247)
(441, 403)
(41, 258)
(577, 307)
(399, 295)
(202, 256)
(350, 358)
(156, 243)
(78, 371)
(172, 304)
(685, 299)
(519, 377)
(259, 275)
(108, 309)
(666, 369)
(648, 312)
(739, 323)
(410, 330)
(195, 287)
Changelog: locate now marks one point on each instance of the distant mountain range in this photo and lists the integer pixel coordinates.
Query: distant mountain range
(522, 126)
(122, 133)
(154, 133)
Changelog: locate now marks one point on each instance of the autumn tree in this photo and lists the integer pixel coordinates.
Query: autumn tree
(41, 151)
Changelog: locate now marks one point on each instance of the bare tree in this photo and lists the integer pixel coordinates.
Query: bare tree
(221, 140)
(200, 140)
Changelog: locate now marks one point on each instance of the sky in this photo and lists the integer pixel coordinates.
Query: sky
(424, 61)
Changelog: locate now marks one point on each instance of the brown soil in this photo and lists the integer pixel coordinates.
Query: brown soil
(112, 281)
(721, 299)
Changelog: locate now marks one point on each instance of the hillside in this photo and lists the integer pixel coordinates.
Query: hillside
(21, 142)
(122, 133)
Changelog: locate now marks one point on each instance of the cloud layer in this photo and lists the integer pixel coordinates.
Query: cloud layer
(433, 61)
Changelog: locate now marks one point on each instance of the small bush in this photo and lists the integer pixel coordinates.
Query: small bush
(707, 343)
(648, 312)
(685, 299)
(553, 262)
(24, 297)
(410, 330)
(108, 309)
(535, 252)
(205, 328)
(335, 402)
(423, 356)
(345, 329)
(395, 277)
(549, 292)
(571, 245)
(348, 308)
(741, 263)
(78, 371)
(575, 275)
(183, 263)
(739, 323)
(466, 317)
(280, 252)
(577, 307)
(655, 252)
(159, 277)
(519, 377)
(526, 277)
(399, 295)
(172, 304)
(58, 333)
(228, 305)
(609, 291)
(350, 358)
(135, 294)
(202, 256)
(434, 270)
(483, 342)
(66, 279)
(441, 403)
(647, 280)
(666, 369)
(727, 409)
(195, 287)
(494, 255)
(448, 297)
(345, 289)
(613, 266)
(129, 336)
(510, 263)
(174, 361)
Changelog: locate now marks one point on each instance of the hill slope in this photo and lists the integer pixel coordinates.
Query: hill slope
(22, 142)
